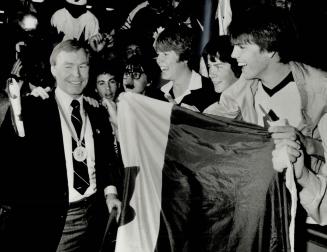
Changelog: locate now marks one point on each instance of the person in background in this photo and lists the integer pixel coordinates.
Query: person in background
(62, 178)
(74, 21)
(107, 79)
(138, 76)
(264, 39)
(102, 41)
(27, 37)
(127, 24)
(131, 44)
(186, 87)
(217, 63)
(157, 13)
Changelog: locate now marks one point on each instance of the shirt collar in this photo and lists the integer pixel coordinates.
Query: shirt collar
(166, 88)
(65, 100)
(194, 84)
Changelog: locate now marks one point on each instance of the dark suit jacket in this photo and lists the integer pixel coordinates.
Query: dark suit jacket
(34, 183)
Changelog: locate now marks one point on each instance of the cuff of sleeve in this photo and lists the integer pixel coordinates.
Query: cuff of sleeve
(110, 189)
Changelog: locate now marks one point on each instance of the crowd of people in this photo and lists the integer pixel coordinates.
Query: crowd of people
(59, 108)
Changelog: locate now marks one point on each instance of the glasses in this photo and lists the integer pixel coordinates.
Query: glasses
(133, 75)
(133, 71)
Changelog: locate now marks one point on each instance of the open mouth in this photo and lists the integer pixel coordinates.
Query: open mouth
(109, 96)
(163, 69)
(241, 64)
(129, 86)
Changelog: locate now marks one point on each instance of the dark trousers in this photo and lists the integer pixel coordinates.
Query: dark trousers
(84, 226)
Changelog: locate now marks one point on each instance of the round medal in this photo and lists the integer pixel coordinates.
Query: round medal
(79, 153)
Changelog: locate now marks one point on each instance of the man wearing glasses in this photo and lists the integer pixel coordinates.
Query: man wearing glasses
(138, 75)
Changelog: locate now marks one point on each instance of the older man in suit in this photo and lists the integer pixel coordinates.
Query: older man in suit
(53, 195)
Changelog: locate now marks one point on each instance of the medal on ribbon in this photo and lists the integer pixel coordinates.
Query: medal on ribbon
(79, 153)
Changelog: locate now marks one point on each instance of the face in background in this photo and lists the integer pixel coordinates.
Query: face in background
(71, 71)
(134, 79)
(106, 86)
(253, 61)
(220, 73)
(170, 65)
(133, 50)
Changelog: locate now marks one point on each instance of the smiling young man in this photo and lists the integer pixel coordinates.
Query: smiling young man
(273, 87)
(63, 171)
(186, 87)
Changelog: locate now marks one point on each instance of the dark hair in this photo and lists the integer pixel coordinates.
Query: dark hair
(107, 67)
(221, 45)
(178, 38)
(100, 66)
(271, 28)
(70, 45)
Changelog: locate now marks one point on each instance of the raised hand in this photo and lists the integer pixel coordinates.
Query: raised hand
(41, 92)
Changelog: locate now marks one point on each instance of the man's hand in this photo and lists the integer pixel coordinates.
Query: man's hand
(41, 92)
(14, 82)
(96, 42)
(288, 145)
(112, 110)
(13, 88)
(296, 157)
(170, 99)
(280, 133)
(17, 67)
(113, 202)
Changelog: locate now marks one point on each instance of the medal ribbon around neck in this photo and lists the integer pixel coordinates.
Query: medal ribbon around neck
(72, 131)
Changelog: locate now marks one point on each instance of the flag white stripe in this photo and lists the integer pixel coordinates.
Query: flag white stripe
(138, 137)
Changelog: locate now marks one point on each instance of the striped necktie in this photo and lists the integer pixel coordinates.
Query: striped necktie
(81, 176)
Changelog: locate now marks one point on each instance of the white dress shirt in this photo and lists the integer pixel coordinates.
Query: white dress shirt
(64, 101)
(194, 84)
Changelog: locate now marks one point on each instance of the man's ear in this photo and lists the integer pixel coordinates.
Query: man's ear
(53, 71)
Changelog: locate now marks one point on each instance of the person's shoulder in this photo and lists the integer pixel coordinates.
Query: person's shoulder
(309, 75)
(30, 100)
(98, 114)
(241, 88)
(89, 14)
(59, 12)
(306, 69)
(99, 118)
(35, 108)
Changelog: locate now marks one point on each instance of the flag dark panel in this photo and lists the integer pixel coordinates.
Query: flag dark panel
(219, 189)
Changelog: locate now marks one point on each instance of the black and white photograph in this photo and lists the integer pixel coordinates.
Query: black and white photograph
(163, 126)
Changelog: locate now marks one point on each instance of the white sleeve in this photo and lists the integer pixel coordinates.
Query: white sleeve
(313, 196)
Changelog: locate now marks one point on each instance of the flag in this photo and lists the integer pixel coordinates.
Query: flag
(197, 183)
